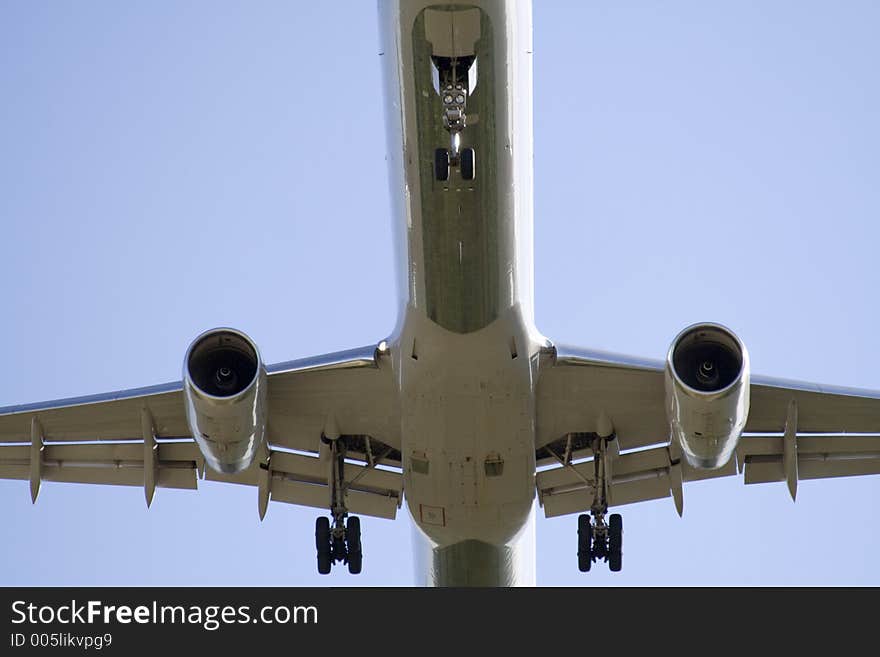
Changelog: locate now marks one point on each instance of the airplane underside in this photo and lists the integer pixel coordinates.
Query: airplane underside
(465, 406)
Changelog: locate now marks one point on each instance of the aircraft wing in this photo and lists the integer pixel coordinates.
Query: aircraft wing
(140, 437)
(836, 432)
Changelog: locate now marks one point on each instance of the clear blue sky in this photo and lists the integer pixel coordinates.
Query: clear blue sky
(167, 167)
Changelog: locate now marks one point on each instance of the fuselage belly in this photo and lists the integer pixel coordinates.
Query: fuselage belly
(458, 89)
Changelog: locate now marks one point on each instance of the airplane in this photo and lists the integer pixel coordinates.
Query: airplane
(617, 460)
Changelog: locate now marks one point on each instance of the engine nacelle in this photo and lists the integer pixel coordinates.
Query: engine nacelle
(707, 393)
(224, 385)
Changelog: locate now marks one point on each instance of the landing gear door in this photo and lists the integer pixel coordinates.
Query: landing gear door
(453, 33)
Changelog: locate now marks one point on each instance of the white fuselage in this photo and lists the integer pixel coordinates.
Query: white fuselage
(465, 347)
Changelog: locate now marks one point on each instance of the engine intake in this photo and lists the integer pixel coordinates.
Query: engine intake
(224, 384)
(707, 393)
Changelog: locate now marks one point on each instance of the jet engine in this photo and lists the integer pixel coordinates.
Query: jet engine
(707, 393)
(224, 385)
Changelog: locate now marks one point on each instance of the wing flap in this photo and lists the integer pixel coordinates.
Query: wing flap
(13, 471)
(637, 476)
(818, 457)
(293, 478)
(318, 496)
(654, 486)
(181, 478)
(97, 463)
(304, 479)
(300, 492)
(646, 474)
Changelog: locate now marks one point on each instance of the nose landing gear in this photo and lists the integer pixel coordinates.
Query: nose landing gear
(454, 90)
(441, 164)
(466, 162)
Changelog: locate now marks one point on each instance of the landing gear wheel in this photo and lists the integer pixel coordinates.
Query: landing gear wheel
(441, 164)
(468, 164)
(353, 543)
(585, 543)
(615, 542)
(322, 542)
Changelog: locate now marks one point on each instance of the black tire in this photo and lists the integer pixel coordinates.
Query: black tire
(468, 164)
(441, 164)
(585, 543)
(322, 543)
(353, 544)
(615, 542)
(353, 534)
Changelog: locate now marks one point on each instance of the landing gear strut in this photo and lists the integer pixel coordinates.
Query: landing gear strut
(340, 542)
(454, 90)
(596, 538)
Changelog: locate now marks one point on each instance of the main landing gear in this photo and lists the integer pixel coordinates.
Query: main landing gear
(340, 542)
(598, 539)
